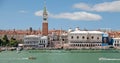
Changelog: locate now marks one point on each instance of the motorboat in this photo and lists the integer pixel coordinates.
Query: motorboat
(32, 58)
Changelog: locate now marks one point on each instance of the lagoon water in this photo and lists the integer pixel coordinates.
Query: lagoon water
(58, 56)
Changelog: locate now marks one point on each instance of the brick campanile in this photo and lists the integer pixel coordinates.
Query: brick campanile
(44, 29)
(45, 22)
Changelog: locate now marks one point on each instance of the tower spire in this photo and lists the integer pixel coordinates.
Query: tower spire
(45, 9)
(44, 3)
(45, 14)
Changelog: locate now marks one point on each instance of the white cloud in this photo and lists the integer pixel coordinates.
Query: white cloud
(72, 16)
(23, 11)
(39, 13)
(83, 6)
(78, 16)
(113, 6)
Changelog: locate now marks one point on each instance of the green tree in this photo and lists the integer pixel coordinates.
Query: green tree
(1, 42)
(13, 42)
(5, 40)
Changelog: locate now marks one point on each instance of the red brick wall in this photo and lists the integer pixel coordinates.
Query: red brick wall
(45, 28)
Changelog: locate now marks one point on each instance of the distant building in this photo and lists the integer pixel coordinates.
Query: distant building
(105, 39)
(105, 29)
(35, 41)
(114, 34)
(64, 38)
(78, 38)
(56, 37)
(53, 39)
(116, 42)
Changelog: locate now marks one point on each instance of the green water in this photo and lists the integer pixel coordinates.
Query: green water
(57, 56)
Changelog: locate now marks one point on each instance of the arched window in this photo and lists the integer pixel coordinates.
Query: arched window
(71, 37)
(98, 38)
(92, 37)
(117, 41)
(74, 44)
(87, 37)
(44, 41)
(63, 40)
(77, 37)
(83, 37)
(40, 41)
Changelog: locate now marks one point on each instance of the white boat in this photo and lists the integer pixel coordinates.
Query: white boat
(18, 50)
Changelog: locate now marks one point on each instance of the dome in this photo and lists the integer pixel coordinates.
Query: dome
(77, 29)
(70, 29)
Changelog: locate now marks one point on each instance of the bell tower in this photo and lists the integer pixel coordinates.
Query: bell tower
(45, 21)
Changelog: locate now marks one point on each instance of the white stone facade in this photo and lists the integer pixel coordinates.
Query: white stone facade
(35, 41)
(79, 38)
(116, 42)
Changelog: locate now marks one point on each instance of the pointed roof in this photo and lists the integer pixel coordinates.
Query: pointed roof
(45, 9)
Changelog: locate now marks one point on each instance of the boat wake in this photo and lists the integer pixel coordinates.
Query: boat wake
(114, 59)
(14, 58)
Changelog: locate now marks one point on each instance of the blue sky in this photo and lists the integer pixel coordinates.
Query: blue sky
(65, 14)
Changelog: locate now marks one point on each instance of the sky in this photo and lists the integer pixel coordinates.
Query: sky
(65, 14)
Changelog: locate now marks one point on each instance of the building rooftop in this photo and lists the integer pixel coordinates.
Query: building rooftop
(77, 30)
(95, 32)
(32, 36)
(44, 37)
(116, 38)
(85, 32)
